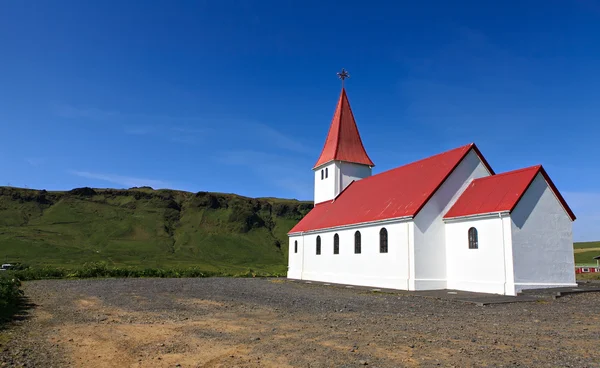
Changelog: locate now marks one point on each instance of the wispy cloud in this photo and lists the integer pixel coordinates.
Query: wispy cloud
(72, 112)
(280, 140)
(180, 129)
(94, 113)
(127, 181)
(186, 129)
(274, 169)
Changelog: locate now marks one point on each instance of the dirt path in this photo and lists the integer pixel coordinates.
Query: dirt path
(275, 323)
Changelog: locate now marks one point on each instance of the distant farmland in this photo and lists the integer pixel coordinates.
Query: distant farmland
(586, 251)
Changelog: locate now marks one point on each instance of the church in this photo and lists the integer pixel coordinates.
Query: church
(447, 221)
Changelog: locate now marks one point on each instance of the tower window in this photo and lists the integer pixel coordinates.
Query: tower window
(295, 246)
(357, 242)
(322, 174)
(473, 239)
(336, 244)
(383, 241)
(326, 172)
(318, 245)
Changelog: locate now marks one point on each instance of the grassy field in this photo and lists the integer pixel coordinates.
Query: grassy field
(146, 228)
(585, 252)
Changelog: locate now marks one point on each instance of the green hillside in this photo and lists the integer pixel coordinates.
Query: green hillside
(145, 227)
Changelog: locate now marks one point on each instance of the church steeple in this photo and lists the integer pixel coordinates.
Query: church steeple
(343, 158)
(343, 141)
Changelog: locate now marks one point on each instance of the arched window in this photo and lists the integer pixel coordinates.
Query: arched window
(326, 172)
(322, 174)
(473, 238)
(296, 246)
(357, 242)
(318, 245)
(336, 244)
(383, 241)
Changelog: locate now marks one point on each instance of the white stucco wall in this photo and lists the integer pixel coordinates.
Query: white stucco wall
(340, 175)
(429, 242)
(542, 238)
(486, 269)
(350, 172)
(295, 259)
(327, 188)
(370, 268)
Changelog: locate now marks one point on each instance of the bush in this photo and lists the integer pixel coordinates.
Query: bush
(10, 293)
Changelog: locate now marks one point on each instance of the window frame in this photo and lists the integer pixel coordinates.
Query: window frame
(318, 245)
(383, 240)
(473, 237)
(357, 242)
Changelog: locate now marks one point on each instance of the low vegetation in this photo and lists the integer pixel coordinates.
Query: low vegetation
(10, 295)
(102, 270)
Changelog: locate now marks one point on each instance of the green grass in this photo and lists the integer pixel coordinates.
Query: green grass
(586, 258)
(141, 228)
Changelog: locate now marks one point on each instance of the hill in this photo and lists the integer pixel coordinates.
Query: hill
(145, 227)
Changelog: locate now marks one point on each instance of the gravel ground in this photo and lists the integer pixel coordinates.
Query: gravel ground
(226, 322)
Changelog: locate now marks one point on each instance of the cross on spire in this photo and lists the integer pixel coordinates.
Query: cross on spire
(343, 75)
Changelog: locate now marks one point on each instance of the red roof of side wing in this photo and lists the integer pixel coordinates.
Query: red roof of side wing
(500, 193)
(400, 192)
(343, 141)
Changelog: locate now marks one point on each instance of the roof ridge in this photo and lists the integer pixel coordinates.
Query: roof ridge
(339, 127)
(470, 145)
(536, 167)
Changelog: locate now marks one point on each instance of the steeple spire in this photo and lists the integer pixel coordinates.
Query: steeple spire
(343, 141)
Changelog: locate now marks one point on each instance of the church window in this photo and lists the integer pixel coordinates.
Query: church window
(357, 242)
(318, 245)
(296, 246)
(473, 239)
(383, 241)
(336, 244)
(322, 174)
(326, 172)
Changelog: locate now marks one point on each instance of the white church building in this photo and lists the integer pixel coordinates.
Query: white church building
(444, 222)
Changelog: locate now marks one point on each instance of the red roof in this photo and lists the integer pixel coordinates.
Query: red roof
(400, 192)
(343, 141)
(500, 193)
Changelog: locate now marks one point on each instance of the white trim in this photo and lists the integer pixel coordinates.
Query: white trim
(476, 216)
(355, 225)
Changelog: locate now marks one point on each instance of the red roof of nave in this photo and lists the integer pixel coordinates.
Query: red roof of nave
(343, 141)
(400, 192)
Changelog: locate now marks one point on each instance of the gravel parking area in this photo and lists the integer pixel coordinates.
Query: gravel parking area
(227, 322)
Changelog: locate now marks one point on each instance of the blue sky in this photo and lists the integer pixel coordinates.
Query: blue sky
(237, 96)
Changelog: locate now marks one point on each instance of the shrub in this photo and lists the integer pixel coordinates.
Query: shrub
(10, 293)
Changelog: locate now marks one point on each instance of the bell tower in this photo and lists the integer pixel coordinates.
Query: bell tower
(343, 158)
